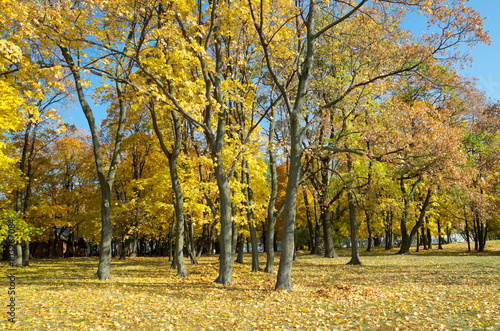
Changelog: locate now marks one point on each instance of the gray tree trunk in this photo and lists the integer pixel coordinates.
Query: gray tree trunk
(408, 237)
(271, 213)
(26, 253)
(284, 279)
(173, 157)
(353, 221)
(250, 216)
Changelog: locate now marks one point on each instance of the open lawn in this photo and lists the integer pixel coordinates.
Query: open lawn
(442, 290)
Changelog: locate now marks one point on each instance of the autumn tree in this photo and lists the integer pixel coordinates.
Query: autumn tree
(481, 143)
(75, 32)
(457, 22)
(205, 64)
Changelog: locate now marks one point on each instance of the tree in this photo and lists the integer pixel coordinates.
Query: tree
(75, 31)
(308, 31)
(481, 144)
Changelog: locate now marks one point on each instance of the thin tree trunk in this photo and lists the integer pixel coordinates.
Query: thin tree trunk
(250, 215)
(241, 248)
(171, 242)
(123, 251)
(369, 229)
(388, 231)
(19, 255)
(353, 222)
(310, 227)
(271, 213)
(467, 234)
(173, 158)
(424, 238)
(418, 242)
(284, 279)
(317, 231)
(405, 236)
(191, 246)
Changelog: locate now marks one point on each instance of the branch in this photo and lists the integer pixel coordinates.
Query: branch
(344, 150)
(339, 20)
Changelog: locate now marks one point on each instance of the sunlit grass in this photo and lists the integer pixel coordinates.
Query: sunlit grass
(446, 289)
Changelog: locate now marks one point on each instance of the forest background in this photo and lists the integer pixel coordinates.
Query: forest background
(230, 124)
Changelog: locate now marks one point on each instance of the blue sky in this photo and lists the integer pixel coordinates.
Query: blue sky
(485, 66)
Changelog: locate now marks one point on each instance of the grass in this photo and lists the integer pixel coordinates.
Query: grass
(446, 289)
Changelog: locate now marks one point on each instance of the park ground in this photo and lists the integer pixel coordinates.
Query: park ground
(447, 289)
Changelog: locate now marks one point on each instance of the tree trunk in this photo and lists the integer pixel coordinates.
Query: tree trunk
(226, 232)
(133, 244)
(19, 255)
(388, 230)
(240, 248)
(353, 222)
(327, 233)
(406, 248)
(255, 248)
(369, 229)
(271, 213)
(203, 241)
(323, 187)
(104, 267)
(317, 232)
(418, 242)
(284, 279)
(405, 238)
(171, 242)
(440, 244)
(310, 227)
(248, 191)
(190, 243)
(467, 234)
(123, 252)
(26, 253)
(423, 235)
(483, 237)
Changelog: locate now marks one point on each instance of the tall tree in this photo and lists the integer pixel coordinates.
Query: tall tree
(308, 31)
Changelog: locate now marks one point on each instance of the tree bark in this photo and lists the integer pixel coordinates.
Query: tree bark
(353, 221)
(369, 229)
(405, 237)
(271, 213)
(324, 206)
(310, 227)
(388, 230)
(240, 249)
(284, 279)
(19, 255)
(104, 267)
(405, 245)
(250, 215)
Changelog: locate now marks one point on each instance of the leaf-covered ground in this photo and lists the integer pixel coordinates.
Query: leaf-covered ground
(440, 290)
